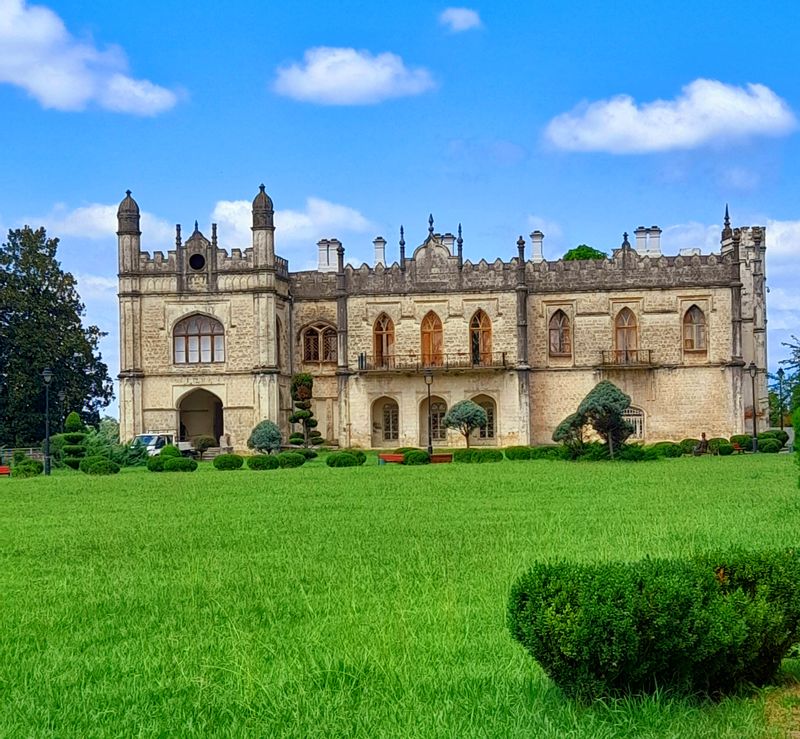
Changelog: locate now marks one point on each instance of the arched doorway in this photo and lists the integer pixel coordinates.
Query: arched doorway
(385, 422)
(438, 411)
(200, 414)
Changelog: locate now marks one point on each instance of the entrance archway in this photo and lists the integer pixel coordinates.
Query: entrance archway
(200, 414)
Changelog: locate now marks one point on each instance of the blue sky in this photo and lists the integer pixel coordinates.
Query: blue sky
(572, 117)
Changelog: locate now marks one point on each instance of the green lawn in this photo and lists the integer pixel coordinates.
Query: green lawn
(342, 602)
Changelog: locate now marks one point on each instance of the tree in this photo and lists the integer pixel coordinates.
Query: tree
(41, 326)
(302, 392)
(466, 416)
(583, 251)
(570, 433)
(265, 438)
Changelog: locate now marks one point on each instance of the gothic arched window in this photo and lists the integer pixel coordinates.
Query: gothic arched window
(480, 338)
(432, 341)
(559, 335)
(319, 343)
(626, 339)
(694, 330)
(383, 341)
(197, 339)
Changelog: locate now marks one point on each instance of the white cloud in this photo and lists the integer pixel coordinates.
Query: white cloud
(706, 111)
(97, 288)
(691, 235)
(340, 76)
(553, 233)
(320, 219)
(39, 55)
(457, 20)
(783, 241)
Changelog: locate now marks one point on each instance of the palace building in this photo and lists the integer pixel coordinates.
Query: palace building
(210, 339)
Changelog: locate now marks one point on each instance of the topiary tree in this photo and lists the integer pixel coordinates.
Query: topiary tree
(466, 416)
(74, 450)
(302, 391)
(265, 438)
(583, 251)
(203, 443)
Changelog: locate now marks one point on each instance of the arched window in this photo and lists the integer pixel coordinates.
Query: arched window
(635, 417)
(694, 330)
(383, 341)
(197, 339)
(625, 336)
(319, 343)
(432, 343)
(488, 404)
(390, 420)
(480, 338)
(559, 334)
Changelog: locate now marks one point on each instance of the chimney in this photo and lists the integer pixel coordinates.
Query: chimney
(641, 240)
(654, 241)
(327, 262)
(449, 240)
(536, 247)
(380, 250)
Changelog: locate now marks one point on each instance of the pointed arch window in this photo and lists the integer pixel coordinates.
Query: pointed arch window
(198, 339)
(560, 336)
(319, 343)
(626, 339)
(432, 341)
(694, 330)
(383, 341)
(480, 338)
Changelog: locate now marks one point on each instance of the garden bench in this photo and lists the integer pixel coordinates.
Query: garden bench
(398, 458)
(737, 449)
(5, 471)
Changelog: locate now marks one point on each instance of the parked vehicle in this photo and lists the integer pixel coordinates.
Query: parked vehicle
(155, 441)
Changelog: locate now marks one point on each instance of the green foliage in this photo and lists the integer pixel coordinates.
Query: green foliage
(705, 625)
(265, 437)
(404, 449)
(713, 444)
(465, 416)
(308, 453)
(262, 462)
(551, 452)
(516, 453)
(637, 453)
(360, 455)
(667, 449)
(228, 462)
(291, 459)
(170, 450)
(462, 456)
(179, 464)
(688, 445)
(27, 467)
(98, 466)
(203, 443)
(583, 251)
(570, 433)
(482, 456)
(18, 456)
(341, 459)
(74, 437)
(725, 449)
(297, 438)
(781, 435)
(156, 463)
(416, 456)
(73, 423)
(743, 440)
(302, 391)
(769, 446)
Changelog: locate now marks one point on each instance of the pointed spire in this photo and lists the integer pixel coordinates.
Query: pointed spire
(460, 244)
(625, 242)
(430, 224)
(402, 249)
(727, 221)
(196, 228)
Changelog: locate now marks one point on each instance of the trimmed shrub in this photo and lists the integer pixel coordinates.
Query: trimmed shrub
(688, 445)
(704, 625)
(291, 459)
(262, 462)
(713, 444)
(298, 439)
(73, 423)
(228, 462)
(73, 438)
(480, 456)
(341, 459)
(464, 456)
(307, 453)
(170, 450)
(594, 452)
(743, 440)
(725, 450)
(637, 453)
(203, 443)
(551, 452)
(359, 454)
(99, 466)
(781, 436)
(156, 464)
(27, 468)
(667, 449)
(515, 453)
(416, 456)
(769, 446)
(179, 464)
(404, 449)
(265, 437)
(73, 450)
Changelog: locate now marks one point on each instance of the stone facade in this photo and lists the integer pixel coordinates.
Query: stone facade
(210, 339)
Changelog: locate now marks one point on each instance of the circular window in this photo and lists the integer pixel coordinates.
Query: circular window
(197, 261)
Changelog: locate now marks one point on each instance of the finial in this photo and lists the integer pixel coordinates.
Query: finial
(402, 239)
(520, 242)
(727, 217)
(430, 224)
(459, 241)
(195, 226)
(128, 193)
(625, 241)
(261, 187)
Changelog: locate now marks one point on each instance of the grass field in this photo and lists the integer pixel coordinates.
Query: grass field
(346, 602)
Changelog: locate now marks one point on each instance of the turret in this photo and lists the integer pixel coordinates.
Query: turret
(128, 234)
(263, 230)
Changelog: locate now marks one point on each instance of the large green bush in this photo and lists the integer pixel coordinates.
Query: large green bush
(667, 449)
(74, 448)
(291, 459)
(769, 446)
(156, 463)
(463, 456)
(725, 450)
(416, 456)
(27, 467)
(265, 437)
(341, 459)
(179, 464)
(170, 450)
(781, 435)
(637, 453)
(713, 444)
(705, 625)
(263, 462)
(359, 454)
(482, 456)
(98, 465)
(515, 453)
(688, 445)
(743, 440)
(228, 462)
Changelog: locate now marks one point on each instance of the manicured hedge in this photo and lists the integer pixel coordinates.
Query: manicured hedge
(263, 462)
(228, 462)
(703, 625)
(743, 440)
(667, 449)
(725, 450)
(27, 467)
(550, 452)
(341, 459)
(179, 464)
(359, 454)
(291, 459)
(478, 456)
(98, 465)
(156, 463)
(769, 446)
(416, 456)
(170, 450)
(688, 445)
(307, 453)
(463, 455)
(781, 435)
(713, 444)
(515, 453)
(637, 453)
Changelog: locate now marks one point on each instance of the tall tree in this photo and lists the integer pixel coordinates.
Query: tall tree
(41, 326)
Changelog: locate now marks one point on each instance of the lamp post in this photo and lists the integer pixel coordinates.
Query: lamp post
(781, 373)
(752, 370)
(47, 376)
(428, 374)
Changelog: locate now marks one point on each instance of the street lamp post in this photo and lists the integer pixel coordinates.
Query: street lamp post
(781, 373)
(47, 376)
(428, 374)
(752, 370)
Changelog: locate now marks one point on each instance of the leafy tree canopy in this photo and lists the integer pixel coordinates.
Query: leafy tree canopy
(41, 326)
(466, 416)
(583, 251)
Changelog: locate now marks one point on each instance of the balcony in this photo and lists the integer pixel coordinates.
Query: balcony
(410, 363)
(626, 359)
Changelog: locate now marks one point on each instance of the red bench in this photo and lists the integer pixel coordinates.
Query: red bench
(398, 458)
(737, 449)
(5, 471)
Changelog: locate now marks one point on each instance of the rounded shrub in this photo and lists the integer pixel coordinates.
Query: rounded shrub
(464, 456)
(291, 459)
(769, 446)
(487, 455)
(74, 438)
(416, 456)
(667, 449)
(308, 453)
(688, 445)
(27, 468)
(713, 444)
(179, 464)
(262, 462)
(99, 466)
(228, 462)
(516, 453)
(170, 450)
(297, 439)
(203, 443)
(780, 435)
(404, 449)
(700, 626)
(341, 459)
(156, 464)
(725, 450)
(743, 440)
(360, 456)
(637, 453)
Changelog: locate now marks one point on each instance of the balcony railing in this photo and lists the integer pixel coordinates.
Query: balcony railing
(437, 363)
(627, 358)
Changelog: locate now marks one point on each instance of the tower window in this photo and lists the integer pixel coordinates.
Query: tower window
(319, 343)
(198, 339)
(197, 262)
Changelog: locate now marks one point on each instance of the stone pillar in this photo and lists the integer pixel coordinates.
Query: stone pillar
(380, 250)
(653, 242)
(641, 240)
(537, 237)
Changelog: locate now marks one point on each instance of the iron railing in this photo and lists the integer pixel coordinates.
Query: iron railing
(627, 358)
(439, 362)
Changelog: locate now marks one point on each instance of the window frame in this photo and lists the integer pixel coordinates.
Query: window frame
(198, 339)
(319, 343)
(383, 338)
(563, 332)
(432, 340)
(480, 338)
(694, 330)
